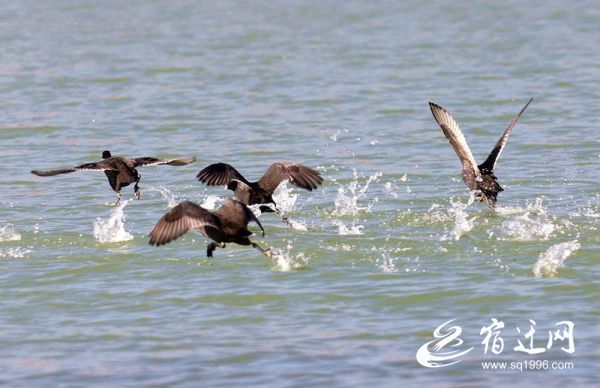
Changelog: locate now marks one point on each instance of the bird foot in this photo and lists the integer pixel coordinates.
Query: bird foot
(287, 221)
(267, 252)
(138, 194)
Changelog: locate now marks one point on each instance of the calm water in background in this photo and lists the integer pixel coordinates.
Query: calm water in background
(383, 253)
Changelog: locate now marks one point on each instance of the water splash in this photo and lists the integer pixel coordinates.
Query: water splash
(549, 261)
(166, 194)
(533, 225)
(344, 230)
(8, 233)
(256, 210)
(285, 201)
(386, 264)
(284, 198)
(391, 189)
(15, 253)
(285, 262)
(334, 136)
(390, 262)
(462, 224)
(346, 202)
(113, 228)
(211, 201)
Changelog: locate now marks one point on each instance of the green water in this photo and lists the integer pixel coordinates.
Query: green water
(383, 253)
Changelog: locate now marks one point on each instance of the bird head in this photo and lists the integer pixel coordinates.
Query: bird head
(106, 155)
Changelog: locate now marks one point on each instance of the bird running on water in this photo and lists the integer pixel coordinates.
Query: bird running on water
(481, 177)
(229, 223)
(261, 191)
(120, 171)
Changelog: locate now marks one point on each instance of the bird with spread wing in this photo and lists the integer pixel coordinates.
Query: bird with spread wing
(120, 171)
(227, 224)
(480, 177)
(261, 191)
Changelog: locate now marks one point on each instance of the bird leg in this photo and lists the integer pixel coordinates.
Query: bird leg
(210, 248)
(275, 209)
(136, 188)
(267, 252)
(118, 198)
(284, 219)
(268, 209)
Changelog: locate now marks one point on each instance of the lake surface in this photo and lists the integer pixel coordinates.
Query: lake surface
(386, 251)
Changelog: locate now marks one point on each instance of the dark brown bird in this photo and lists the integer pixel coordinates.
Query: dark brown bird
(260, 192)
(227, 224)
(477, 177)
(120, 171)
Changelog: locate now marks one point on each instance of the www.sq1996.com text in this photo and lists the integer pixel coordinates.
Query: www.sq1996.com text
(527, 365)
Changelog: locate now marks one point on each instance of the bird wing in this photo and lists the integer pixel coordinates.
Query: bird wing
(490, 162)
(183, 217)
(458, 142)
(299, 175)
(148, 161)
(219, 174)
(102, 165)
(53, 172)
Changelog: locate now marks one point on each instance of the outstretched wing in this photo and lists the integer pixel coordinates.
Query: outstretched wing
(490, 162)
(458, 142)
(103, 165)
(53, 172)
(299, 175)
(147, 161)
(219, 174)
(183, 217)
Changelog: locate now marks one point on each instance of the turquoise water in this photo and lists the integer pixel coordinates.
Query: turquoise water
(387, 250)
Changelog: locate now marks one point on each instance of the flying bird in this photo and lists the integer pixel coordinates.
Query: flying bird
(120, 171)
(261, 192)
(477, 177)
(229, 223)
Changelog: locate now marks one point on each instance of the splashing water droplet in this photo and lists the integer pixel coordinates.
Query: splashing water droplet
(113, 228)
(166, 194)
(211, 202)
(8, 233)
(387, 264)
(335, 135)
(285, 262)
(462, 224)
(534, 224)
(346, 202)
(352, 229)
(284, 198)
(549, 261)
(15, 253)
(391, 189)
